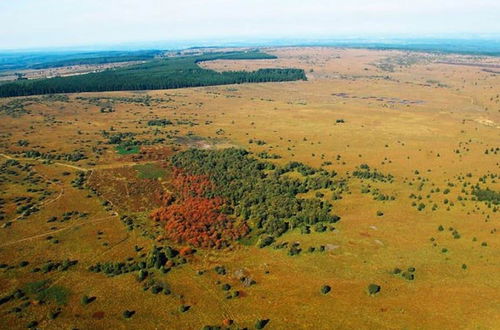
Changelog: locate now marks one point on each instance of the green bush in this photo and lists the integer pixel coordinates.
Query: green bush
(156, 289)
(85, 300)
(260, 324)
(319, 227)
(265, 241)
(325, 289)
(373, 289)
(128, 314)
(32, 324)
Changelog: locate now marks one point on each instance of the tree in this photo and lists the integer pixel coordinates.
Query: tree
(373, 289)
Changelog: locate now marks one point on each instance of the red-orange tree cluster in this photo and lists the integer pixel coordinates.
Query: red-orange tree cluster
(187, 186)
(195, 219)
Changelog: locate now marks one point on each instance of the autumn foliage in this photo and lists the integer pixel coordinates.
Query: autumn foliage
(194, 218)
(186, 186)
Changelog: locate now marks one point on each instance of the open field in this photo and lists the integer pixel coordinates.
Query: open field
(413, 138)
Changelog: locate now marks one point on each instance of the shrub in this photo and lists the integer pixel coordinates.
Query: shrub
(220, 270)
(184, 308)
(260, 324)
(32, 324)
(319, 194)
(325, 289)
(305, 230)
(54, 314)
(156, 289)
(373, 289)
(86, 300)
(142, 275)
(265, 241)
(128, 314)
(319, 227)
(408, 276)
(294, 250)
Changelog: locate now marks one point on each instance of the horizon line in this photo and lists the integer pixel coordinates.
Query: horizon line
(180, 44)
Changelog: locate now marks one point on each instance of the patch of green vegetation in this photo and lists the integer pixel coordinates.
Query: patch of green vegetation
(487, 195)
(261, 324)
(325, 289)
(248, 240)
(159, 122)
(14, 108)
(265, 155)
(43, 291)
(259, 192)
(70, 157)
(127, 150)
(149, 171)
(156, 258)
(365, 172)
(373, 289)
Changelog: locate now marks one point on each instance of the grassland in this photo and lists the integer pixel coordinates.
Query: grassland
(414, 144)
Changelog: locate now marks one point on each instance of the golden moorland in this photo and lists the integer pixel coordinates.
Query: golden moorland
(423, 229)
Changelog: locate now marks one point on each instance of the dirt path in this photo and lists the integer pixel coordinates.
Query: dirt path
(6, 156)
(79, 168)
(56, 231)
(83, 169)
(47, 202)
(61, 192)
(60, 164)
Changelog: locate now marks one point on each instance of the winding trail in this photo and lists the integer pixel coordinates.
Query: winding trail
(44, 203)
(83, 169)
(58, 163)
(56, 231)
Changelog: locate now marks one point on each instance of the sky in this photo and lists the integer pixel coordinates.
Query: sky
(26, 24)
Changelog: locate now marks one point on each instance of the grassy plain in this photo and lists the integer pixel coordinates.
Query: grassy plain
(428, 123)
